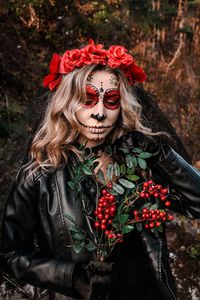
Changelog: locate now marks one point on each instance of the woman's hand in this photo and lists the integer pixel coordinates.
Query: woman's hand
(93, 280)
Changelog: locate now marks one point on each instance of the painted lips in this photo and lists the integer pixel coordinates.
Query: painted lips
(97, 130)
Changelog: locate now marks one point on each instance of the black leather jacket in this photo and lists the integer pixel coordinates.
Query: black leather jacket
(36, 207)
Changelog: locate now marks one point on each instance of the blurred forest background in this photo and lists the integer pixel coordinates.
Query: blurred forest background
(164, 38)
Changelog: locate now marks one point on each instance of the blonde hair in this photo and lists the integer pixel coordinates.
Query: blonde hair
(59, 129)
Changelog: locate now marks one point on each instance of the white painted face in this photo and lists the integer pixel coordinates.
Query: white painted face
(98, 115)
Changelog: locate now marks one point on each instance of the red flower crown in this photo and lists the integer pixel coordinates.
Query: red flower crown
(115, 57)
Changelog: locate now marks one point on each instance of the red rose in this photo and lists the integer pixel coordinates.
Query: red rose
(138, 73)
(94, 54)
(117, 55)
(70, 60)
(55, 63)
(53, 78)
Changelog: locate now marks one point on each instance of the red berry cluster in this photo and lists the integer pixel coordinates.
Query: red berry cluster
(153, 218)
(105, 210)
(155, 190)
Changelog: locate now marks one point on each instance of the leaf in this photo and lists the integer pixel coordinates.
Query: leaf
(142, 163)
(90, 246)
(154, 206)
(123, 218)
(139, 226)
(160, 228)
(108, 149)
(71, 184)
(101, 175)
(131, 170)
(126, 183)
(124, 150)
(132, 177)
(136, 150)
(135, 162)
(144, 155)
(86, 170)
(118, 188)
(119, 210)
(113, 192)
(116, 169)
(77, 236)
(127, 229)
(109, 171)
(129, 161)
(70, 218)
(123, 169)
(74, 228)
(95, 165)
(78, 247)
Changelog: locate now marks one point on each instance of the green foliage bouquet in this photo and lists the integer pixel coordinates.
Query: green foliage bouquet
(121, 205)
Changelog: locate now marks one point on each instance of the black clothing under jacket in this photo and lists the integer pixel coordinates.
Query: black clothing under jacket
(36, 208)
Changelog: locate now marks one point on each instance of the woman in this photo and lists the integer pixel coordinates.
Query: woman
(91, 102)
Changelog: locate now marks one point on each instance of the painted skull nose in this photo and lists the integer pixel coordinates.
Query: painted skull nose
(98, 117)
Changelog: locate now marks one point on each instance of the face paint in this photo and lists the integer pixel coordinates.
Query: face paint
(111, 98)
(103, 100)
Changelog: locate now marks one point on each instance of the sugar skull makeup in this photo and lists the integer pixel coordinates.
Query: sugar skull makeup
(97, 116)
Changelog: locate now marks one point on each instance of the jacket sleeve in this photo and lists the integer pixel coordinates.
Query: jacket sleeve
(183, 181)
(18, 255)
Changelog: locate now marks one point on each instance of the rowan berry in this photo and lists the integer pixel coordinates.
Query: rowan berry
(96, 224)
(163, 198)
(109, 222)
(143, 216)
(107, 232)
(105, 203)
(153, 216)
(96, 212)
(145, 210)
(135, 212)
(142, 195)
(159, 187)
(112, 209)
(150, 182)
(157, 211)
(147, 195)
(158, 224)
(100, 216)
(103, 226)
(110, 186)
(99, 209)
(164, 191)
(111, 197)
(103, 221)
(110, 235)
(170, 218)
(167, 203)
(152, 211)
(107, 210)
(151, 225)
(121, 241)
(104, 192)
(146, 184)
(146, 226)
(155, 195)
(107, 216)
(147, 216)
(137, 218)
(150, 189)
(114, 236)
(164, 219)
